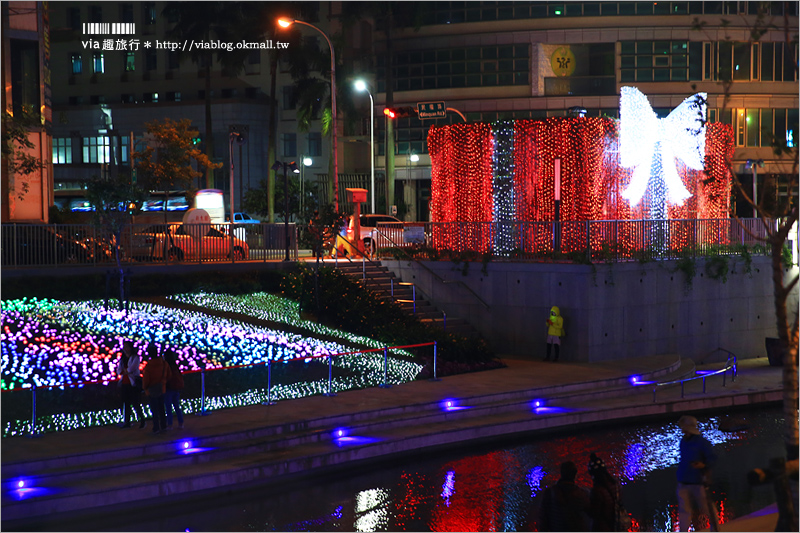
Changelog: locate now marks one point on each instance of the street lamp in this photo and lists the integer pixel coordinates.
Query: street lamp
(361, 86)
(238, 138)
(286, 166)
(285, 23)
(306, 162)
(753, 164)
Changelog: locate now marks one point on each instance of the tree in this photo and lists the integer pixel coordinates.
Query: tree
(115, 200)
(165, 164)
(777, 217)
(16, 146)
(256, 199)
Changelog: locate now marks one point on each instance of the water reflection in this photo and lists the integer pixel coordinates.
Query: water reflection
(498, 489)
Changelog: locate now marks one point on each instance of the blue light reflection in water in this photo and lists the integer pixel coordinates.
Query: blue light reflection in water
(498, 487)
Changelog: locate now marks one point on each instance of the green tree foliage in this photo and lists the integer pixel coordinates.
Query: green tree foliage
(16, 145)
(165, 163)
(344, 303)
(115, 200)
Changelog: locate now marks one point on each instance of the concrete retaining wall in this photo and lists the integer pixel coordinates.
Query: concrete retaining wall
(615, 311)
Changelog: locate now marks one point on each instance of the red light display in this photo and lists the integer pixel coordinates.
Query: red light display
(592, 180)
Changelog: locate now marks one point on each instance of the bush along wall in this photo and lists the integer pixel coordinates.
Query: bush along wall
(338, 301)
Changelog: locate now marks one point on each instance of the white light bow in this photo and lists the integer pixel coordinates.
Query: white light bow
(682, 134)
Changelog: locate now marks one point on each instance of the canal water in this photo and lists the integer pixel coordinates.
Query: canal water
(490, 488)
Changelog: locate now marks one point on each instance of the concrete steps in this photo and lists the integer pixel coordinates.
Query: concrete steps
(382, 281)
(152, 467)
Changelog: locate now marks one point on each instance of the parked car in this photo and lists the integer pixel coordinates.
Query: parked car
(242, 218)
(177, 242)
(370, 230)
(42, 245)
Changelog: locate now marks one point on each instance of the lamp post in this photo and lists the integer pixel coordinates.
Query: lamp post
(305, 162)
(285, 23)
(361, 85)
(234, 137)
(753, 164)
(286, 167)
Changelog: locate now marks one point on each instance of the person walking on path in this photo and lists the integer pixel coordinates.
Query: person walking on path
(131, 382)
(172, 398)
(604, 496)
(156, 375)
(565, 505)
(697, 458)
(555, 330)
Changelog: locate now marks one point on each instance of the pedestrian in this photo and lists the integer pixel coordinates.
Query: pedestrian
(697, 458)
(131, 383)
(156, 375)
(565, 505)
(555, 330)
(172, 397)
(604, 496)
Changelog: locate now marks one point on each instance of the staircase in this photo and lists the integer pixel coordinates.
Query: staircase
(378, 278)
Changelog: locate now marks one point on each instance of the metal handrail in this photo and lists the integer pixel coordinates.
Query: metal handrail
(437, 276)
(730, 364)
(205, 368)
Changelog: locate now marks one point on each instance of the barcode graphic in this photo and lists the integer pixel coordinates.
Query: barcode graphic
(106, 28)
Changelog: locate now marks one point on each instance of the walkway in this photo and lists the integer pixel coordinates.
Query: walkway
(100, 468)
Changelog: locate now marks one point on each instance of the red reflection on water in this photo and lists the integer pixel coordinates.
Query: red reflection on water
(479, 492)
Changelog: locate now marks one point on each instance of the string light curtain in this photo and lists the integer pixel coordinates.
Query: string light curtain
(466, 157)
(461, 193)
(587, 178)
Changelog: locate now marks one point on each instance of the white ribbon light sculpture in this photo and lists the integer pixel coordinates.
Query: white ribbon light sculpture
(682, 134)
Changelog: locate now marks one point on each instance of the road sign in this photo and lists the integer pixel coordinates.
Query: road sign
(431, 110)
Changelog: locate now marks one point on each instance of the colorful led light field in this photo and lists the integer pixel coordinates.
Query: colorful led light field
(47, 343)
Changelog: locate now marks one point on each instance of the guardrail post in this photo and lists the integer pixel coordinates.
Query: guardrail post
(330, 377)
(33, 413)
(391, 280)
(414, 297)
(269, 384)
(682, 389)
(434, 378)
(704, 384)
(654, 394)
(444, 321)
(203, 392)
(385, 369)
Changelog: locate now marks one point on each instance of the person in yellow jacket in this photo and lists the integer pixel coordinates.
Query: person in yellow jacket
(555, 330)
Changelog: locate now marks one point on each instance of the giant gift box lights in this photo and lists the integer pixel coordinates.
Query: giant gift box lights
(638, 168)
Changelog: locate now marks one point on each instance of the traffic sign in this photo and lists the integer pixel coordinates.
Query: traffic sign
(431, 110)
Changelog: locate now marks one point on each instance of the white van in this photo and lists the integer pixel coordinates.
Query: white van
(213, 203)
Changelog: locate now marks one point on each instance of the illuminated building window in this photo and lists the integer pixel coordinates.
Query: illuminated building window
(130, 61)
(655, 61)
(77, 63)
(98, 63)
(96, 150)
(474, 66)
(62, 151)
(149, 13)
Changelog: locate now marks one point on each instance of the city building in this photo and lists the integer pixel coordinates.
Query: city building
(518, 60)
(116, 66)
(27, 191)
(484, 61)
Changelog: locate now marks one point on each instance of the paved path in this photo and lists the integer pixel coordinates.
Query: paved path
(294, 437)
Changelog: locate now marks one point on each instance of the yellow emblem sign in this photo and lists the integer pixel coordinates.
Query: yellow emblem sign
(563, 61)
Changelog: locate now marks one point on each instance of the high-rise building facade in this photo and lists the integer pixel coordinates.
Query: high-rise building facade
(521, 60)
